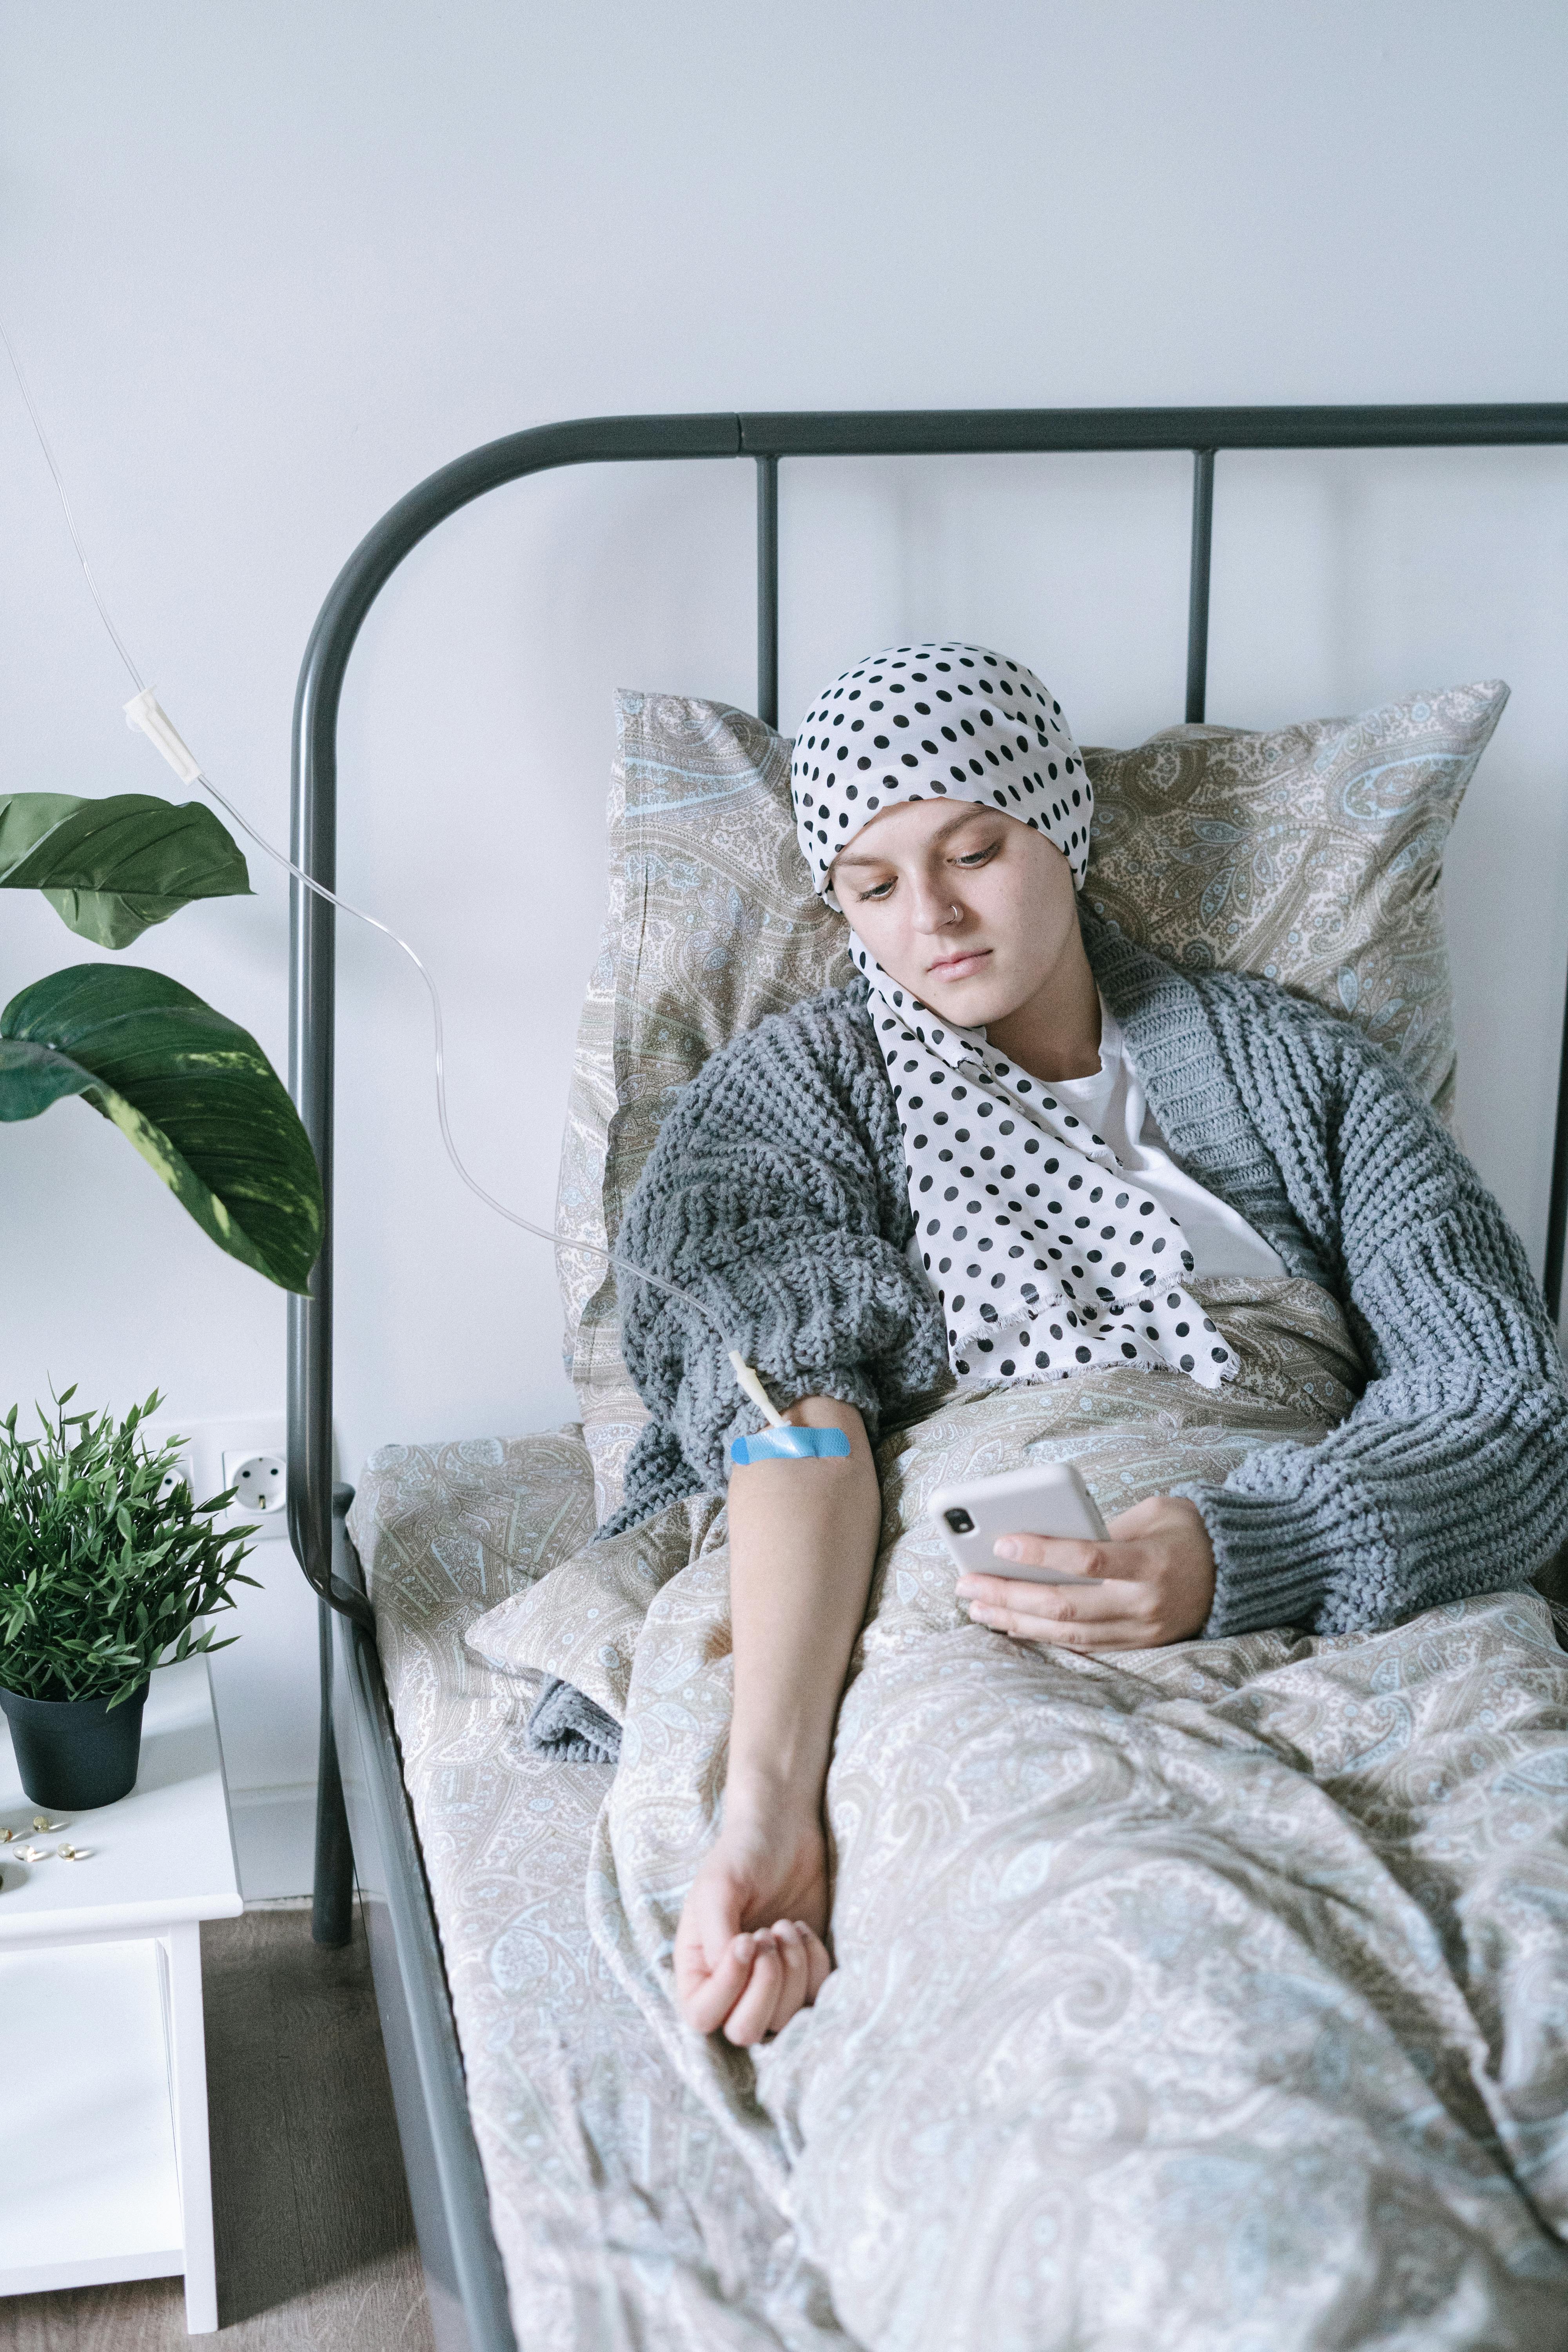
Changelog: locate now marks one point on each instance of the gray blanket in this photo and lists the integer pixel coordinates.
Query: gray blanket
(564, 1725)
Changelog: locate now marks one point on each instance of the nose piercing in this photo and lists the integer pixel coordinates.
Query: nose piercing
(956, 916)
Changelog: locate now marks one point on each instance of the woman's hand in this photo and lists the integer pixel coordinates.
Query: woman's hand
(749, 1951)
(1158, 1569)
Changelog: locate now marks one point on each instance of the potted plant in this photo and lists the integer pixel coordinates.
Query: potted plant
(105, 1563)
(107, 1566)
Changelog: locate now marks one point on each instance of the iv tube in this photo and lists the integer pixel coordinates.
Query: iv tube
(143, 713)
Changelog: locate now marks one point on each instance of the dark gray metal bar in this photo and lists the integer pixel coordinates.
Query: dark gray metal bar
(968, 432)
(1557, 1199)
(768, 589)
(313, 845)
(332, 1904)
(1198, 586)
(311, 1047)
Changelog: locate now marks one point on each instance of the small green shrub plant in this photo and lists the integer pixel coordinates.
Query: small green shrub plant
(107, 1564)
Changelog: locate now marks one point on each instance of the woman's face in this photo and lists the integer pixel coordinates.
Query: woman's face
(970, 910)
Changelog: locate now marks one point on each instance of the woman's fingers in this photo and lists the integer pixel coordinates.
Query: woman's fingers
(818, 1962)
(1124, 1632)
(1109, 1615)
(792, 1993)
(753, 2014)
(1081, 1615)
(1065, 1604)
(759, 1982)
(1066, 1554)
(707, 1995)
(709, 1975)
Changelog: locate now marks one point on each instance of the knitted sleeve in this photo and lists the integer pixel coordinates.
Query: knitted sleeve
(771, 1196)
(1450, 1474)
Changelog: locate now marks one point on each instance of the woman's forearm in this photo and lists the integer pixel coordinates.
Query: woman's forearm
(751, 1949)
(803, 1541)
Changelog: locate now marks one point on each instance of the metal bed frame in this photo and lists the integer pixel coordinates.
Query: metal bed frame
(361, 1785)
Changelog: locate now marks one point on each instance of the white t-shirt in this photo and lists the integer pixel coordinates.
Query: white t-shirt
(1111, 1104)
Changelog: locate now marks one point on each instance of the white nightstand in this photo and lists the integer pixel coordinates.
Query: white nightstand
(103, 2087)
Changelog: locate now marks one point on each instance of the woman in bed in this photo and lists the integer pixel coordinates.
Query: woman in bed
(1001, 1155)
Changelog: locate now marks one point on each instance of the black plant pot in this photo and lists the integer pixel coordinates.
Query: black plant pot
(74, 1754)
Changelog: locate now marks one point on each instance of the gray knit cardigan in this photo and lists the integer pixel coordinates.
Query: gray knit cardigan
(776, 1193)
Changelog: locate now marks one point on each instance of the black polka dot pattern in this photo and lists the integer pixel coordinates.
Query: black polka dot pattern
(1046, 1258)
(943, 721)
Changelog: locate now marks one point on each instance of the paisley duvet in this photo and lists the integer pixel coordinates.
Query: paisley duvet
(1209, 1997)
(1213, 1996)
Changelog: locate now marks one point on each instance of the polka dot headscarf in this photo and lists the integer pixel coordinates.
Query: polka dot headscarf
(921, 722)
(1048, 1259)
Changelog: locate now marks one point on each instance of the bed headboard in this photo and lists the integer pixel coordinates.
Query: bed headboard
(765, 439)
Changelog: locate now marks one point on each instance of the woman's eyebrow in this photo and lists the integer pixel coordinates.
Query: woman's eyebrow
(953, 823)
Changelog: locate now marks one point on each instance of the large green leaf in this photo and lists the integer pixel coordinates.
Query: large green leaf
(110, 867)
(193, 1091)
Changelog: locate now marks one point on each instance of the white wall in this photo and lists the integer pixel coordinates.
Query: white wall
(268, 267)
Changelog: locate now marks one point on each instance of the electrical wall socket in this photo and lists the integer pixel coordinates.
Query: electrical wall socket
(266, 1678)
(246, 1452)
(262, 1481)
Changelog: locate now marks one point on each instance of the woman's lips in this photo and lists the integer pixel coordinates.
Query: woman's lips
(958, 967)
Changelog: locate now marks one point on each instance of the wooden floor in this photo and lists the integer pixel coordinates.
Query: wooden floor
(315, 2242)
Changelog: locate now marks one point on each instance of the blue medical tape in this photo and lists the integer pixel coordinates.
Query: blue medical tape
(787, 1444)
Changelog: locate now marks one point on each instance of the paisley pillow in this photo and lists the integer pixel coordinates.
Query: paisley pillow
(1310, 854)
(711, 922)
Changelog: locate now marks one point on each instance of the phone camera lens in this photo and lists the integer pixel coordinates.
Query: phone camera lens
(960, 1522)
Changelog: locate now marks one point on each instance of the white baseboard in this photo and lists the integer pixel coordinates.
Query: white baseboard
(274, 1840)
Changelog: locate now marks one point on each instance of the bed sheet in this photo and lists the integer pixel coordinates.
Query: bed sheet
(623, 2212)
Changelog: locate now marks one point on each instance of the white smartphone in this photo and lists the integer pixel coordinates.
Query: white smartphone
(1047, 1499)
